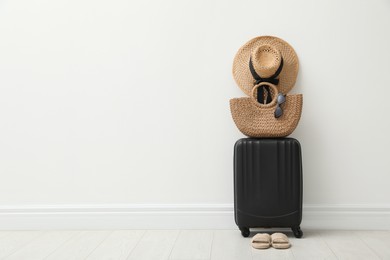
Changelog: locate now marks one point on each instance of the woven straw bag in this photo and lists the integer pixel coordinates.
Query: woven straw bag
(258, 120)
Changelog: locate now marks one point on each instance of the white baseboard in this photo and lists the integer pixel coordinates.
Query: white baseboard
(179, 216)
(353, 217)
(122, 216)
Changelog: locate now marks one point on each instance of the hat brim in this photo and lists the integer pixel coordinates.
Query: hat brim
(287, 76)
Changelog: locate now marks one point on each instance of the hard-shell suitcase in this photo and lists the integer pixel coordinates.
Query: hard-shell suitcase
(268, 184)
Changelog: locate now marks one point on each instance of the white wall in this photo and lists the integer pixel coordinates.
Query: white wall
(126, 102)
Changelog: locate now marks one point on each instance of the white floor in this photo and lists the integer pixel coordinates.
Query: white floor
(188, 244)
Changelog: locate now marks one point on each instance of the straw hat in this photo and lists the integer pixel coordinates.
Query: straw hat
(273, 60)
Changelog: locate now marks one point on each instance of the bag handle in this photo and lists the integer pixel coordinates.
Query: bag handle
(274, 89)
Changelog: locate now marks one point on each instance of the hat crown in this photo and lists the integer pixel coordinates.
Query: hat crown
(266, 60)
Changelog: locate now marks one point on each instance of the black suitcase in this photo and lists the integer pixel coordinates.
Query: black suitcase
(268, 184)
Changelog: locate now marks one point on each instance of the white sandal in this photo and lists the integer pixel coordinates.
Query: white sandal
(280, 241)
(261, 241)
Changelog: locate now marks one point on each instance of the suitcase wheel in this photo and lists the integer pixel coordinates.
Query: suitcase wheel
(244, 231)
(297, 231)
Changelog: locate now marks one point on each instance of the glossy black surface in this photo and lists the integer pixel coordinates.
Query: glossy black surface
(268, 183)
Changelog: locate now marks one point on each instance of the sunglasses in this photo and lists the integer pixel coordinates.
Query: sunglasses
(280, 100)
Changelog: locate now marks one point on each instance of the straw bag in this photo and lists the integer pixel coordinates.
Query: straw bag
(258, 120)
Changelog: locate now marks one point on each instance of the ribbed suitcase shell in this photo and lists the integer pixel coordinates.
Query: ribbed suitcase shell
(268, 183)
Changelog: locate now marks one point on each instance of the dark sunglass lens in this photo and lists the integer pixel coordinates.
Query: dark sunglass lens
(278, 112)
(281, 98)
